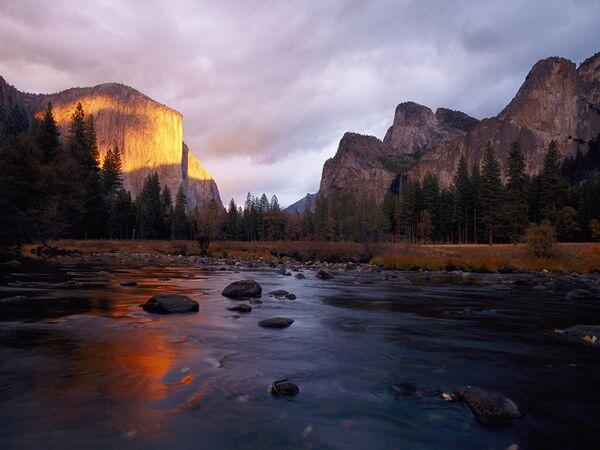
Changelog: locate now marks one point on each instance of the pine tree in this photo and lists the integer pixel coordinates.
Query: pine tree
(516, 193)
(180, 225)
(112, 179)
(462, 189)
(552, 185)
(475, 200)
(491, 193)
(94, 208)
(15, 123)
(48, 136)
(321, 216)
(150, 210)
(22, 196)
(431, 204)
(167, 204)
(232, 221)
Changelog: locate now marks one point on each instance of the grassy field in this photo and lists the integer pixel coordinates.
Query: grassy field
(580, 257)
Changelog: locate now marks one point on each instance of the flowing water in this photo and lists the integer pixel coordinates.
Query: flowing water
(90, 369)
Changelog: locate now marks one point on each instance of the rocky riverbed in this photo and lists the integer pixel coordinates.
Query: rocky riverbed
(133, 351)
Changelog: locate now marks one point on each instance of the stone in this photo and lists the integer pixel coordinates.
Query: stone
(279, 293)
(242, 307)
(324, 275)
(579, 294)
(283, 388)
(291, 296)
(243, 289)
(300, 276)
(489, 408)
(128, 283)
(583, 334)
(276, 322)
(170, 303)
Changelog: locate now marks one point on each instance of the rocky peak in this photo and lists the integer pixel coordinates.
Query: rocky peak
(557, 101)
(416, 129)
(455, 119)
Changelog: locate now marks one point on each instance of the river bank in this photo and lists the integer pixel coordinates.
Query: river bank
(579, 258)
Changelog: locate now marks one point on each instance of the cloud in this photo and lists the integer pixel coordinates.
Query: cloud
(269, 86)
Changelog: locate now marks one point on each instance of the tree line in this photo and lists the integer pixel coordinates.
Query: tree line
(52, 188)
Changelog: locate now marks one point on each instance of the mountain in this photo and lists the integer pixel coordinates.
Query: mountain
(369, 166)
(300, 206)
(558, 101)
(149, 134)
(416, 129)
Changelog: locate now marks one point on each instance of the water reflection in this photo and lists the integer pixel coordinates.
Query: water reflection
(102, 373)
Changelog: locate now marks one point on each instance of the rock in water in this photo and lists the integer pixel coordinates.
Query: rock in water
(276, 322)
(242, 307)
(584, 334)
(243, 289)
(488, 407)
(170, 303)
(579, 294)
(283, 388)
(300, 276)
(324, 275)
(279, 293)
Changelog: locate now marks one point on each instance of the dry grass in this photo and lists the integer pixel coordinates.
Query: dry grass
(581, 258)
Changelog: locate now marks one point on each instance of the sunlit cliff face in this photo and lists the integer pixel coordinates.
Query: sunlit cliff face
(149, 135)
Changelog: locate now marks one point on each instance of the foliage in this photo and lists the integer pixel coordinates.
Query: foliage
(541, 240)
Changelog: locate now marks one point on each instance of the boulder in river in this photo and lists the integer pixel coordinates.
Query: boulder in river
(283, 388)
(276, 322)
(579, 294)
(324, 275)
(279, 293)
(242, 307)
(243, 289)
(489, 408)
(170, 303)
(584, 334)
(128, 283)
(291, 296)
(300, 276)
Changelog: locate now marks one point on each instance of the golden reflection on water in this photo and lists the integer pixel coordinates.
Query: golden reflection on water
(126, 375)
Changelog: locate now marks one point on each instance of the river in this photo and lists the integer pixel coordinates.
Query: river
(91, 369)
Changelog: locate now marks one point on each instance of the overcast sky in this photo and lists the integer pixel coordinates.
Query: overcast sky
(267, 88)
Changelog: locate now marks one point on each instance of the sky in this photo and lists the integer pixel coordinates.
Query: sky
(267, 88)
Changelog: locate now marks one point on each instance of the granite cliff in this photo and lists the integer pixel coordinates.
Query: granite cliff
(369, 166)
(558, 101)
(149, 134)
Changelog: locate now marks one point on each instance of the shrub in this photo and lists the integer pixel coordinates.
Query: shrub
(541, 240)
